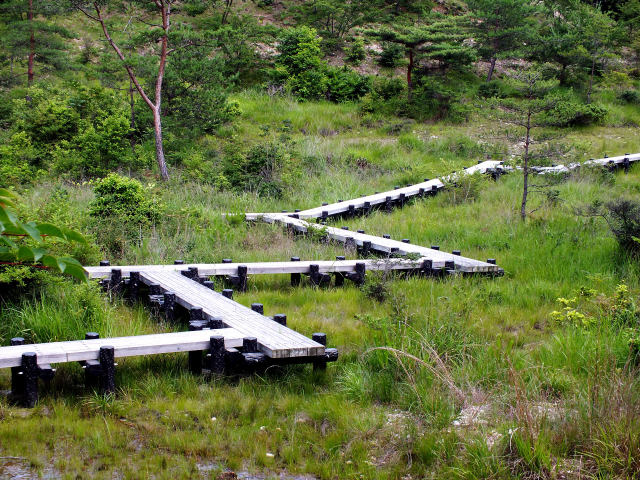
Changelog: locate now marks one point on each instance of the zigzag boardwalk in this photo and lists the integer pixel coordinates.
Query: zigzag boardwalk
(226, 337)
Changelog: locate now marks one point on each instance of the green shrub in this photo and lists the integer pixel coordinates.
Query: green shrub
(493, 89)
(392, 55)
(20, 161)
(346, 85)
(259, 170)
(124, 198)
(121, 211)
(356, 53)
(567, 113)
(79, 131)
(434, 99)
(623, 218)
(630, 96)
(387, 88)
(301, 70)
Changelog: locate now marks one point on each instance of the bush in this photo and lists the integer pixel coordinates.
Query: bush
(19, 160)
(302, 71)
(355, 52)
(623, 218)
(346, 85)
(392, 54)
(567, 113)
(259, 170)
(630, 96)
(122, 210)
(80, 131)
(493, 89)
(387, 88)
(123, 198)
(433, 99)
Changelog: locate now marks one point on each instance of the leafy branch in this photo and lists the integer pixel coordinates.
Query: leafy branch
(24, 243)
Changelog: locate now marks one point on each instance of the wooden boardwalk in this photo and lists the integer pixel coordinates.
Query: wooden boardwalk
(274, 340)
(438, 258)
(230, 331)
(394, 196)
(262, 268)
(86, 350)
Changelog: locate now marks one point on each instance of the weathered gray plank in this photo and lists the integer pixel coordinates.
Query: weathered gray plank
(82, 350)
(274, 340)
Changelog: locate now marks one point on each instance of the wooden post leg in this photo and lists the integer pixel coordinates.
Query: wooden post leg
(17, 377)
(217, 355)
(108, 370)
(30, 373)
(195, 357)
(321, 338)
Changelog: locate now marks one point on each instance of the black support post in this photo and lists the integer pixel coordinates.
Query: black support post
(169, 305)
(339, 276)
(17, 376)
(258, 308)
(195, 357)
(295, 277)
(321, 338)
(280, 318)
(108, 370)
(227, 293)
(30, 373)
(216, 355)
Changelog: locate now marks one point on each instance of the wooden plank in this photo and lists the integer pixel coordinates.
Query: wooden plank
(82, 350)
(261, 268)
(380, 198)
(274, 340)
(438, 257)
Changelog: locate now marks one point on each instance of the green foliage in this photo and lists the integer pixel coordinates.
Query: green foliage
(623, 219)
(79, 131)
(27, 243)
(435, 99)
(492, 89)
(568, 113)
(391, 55)
(630, 96)
(501, 26)
(121, 211)
(355, 53)
(125, 199)
(304, 73)
(260, 170)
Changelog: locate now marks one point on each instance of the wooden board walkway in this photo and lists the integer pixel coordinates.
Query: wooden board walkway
(274, 340)
(438, 258)
(85, 350)
(261, 268)
(396, 195)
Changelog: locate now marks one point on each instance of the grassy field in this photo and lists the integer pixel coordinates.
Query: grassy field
(457, 378)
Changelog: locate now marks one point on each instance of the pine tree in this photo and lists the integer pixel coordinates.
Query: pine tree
(502, 27)
(526, 111)
(436, 37)
(156, 15)
(28, 37)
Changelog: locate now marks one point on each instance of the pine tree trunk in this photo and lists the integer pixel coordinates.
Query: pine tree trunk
(157, 130)
(409, 81)
(593, 70)
(525, 170)
(32, 45)
(492, 67)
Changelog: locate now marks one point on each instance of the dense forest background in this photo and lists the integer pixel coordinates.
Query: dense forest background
(80, 100)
